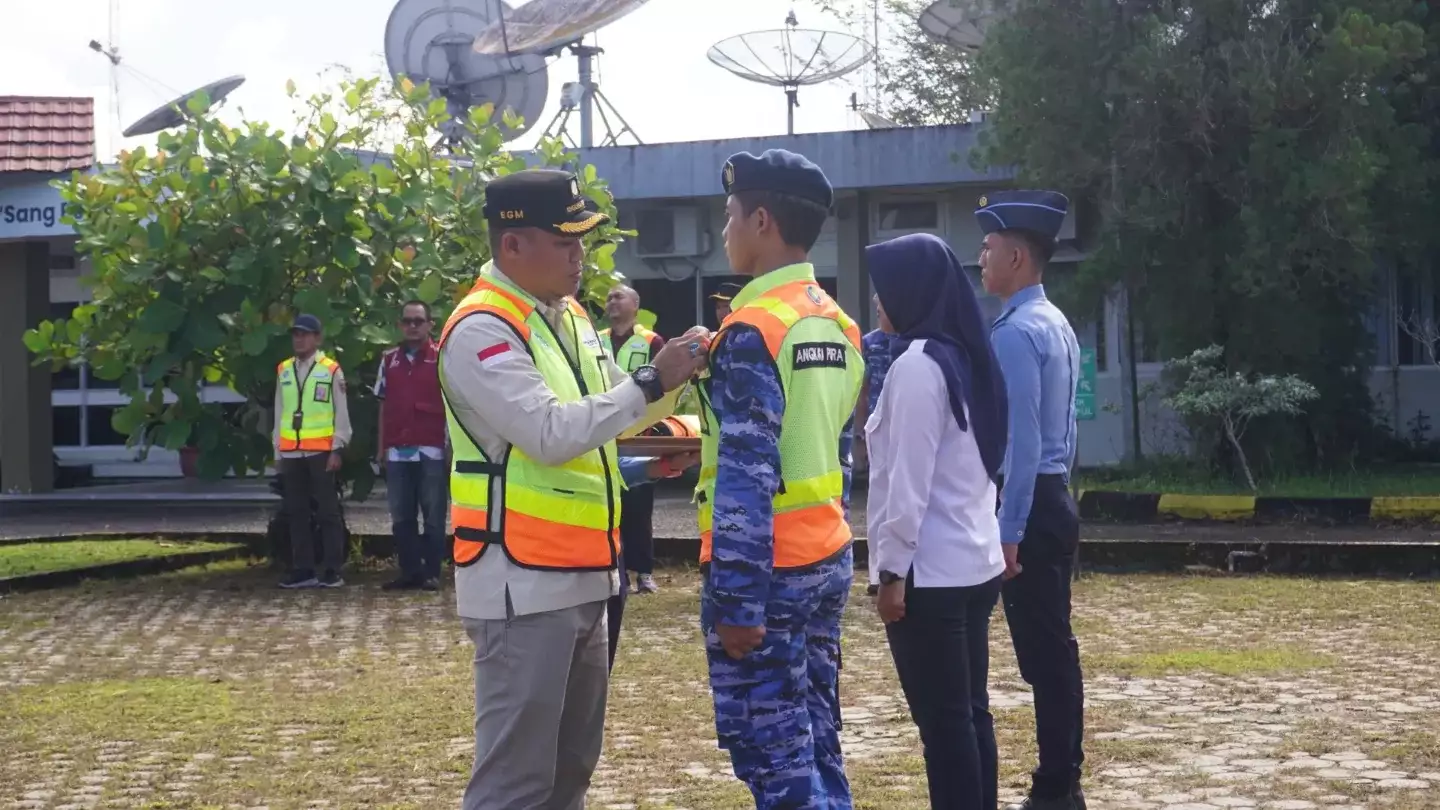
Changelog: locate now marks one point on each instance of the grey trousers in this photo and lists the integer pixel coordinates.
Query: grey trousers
(540, 684)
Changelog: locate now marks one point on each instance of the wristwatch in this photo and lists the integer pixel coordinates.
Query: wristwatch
(889, 577)
(649, 381)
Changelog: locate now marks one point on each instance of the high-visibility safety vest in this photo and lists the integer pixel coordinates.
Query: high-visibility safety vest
(560, 518)
(314, 399)
(816, 349)
(635, 351)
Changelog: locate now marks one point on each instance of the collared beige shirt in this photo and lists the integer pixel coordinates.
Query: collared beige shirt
(337, 396)
(508, 403)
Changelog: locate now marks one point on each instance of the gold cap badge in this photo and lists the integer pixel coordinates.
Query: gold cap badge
(574, 187)
(729, 174)
(983, 201)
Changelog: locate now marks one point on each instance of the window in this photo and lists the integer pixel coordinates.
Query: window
(65, 422)
(909, 215)
(1417, 322)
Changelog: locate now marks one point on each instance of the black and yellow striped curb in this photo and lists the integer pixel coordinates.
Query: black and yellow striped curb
(1144, 507)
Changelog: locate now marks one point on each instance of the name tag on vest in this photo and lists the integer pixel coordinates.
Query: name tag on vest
(818, 355)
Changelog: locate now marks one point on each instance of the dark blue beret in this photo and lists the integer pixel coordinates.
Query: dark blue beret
(779, 171)
(306, 323)
(1041, 212)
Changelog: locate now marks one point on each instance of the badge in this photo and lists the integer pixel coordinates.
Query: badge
(813, 293)
(574, 187)
(983, 201)
(729, 175)
(322, 392)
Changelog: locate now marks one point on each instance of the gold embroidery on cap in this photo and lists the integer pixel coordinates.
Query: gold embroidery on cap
(583, 226)
(512, 214)
(729, 174)
(575, 206)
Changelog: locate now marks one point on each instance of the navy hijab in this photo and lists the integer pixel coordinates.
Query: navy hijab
(926, 294)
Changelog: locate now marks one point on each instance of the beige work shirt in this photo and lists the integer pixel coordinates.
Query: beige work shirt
(509, 403)
(337, 396)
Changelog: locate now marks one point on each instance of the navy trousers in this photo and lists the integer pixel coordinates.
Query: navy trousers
(1037, 607)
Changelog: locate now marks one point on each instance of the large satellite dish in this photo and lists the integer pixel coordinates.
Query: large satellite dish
(963, 24)
(174, 113)
(548, 27)
(432, 41)
(791, 57)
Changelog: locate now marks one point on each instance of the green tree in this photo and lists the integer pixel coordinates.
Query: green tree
(1202, 391)
(203, 252)
(917, 80)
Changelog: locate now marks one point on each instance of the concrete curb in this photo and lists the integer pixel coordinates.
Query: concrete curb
(1151, 507)
(119, 570)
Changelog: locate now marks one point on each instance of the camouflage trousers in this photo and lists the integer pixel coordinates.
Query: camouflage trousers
(777, 710)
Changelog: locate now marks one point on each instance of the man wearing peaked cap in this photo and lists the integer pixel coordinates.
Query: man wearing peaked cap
(1039, 521)
(784, 378)
(722, 297)
(534, 404)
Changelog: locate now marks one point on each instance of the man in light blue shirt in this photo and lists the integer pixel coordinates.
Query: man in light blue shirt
(1039, 522)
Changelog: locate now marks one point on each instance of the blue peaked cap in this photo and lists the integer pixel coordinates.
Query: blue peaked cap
(1040, 212)
(779, 171)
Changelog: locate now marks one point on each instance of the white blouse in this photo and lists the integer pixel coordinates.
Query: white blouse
(931, 505)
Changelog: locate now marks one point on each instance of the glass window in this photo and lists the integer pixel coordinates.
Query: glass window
(915, 215)
(65, 422)
(97, 425)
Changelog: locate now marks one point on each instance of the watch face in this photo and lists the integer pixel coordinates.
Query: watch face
(645, 373)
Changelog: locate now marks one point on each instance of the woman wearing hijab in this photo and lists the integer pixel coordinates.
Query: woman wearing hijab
(937, 440)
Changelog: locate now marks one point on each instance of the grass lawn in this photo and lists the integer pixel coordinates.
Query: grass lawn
(1416, 480)
(19, 559)
(211, 688)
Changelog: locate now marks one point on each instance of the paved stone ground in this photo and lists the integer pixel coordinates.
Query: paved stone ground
(212, 689)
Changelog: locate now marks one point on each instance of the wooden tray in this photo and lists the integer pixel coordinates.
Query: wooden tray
(658, 445)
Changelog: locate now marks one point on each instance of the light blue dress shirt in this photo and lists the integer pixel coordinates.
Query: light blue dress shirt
(1040, 358)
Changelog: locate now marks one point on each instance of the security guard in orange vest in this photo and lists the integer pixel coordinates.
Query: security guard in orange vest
(784, 377)
(312, 424)
(632, 345)
(534, 405)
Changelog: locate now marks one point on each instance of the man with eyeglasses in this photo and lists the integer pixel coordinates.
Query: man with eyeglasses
(411, 450)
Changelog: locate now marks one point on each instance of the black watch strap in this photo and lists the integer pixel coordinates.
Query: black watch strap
(649, 381)
(889, 577)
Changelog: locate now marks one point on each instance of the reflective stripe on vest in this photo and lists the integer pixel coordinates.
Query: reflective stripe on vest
(315, 403)
(816, 349)
(548, 517)
(635, 351)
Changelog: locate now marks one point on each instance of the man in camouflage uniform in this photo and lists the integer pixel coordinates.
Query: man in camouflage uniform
(876, 348)
(777, 573)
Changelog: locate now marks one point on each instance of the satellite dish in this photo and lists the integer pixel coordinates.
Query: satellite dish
(791, 57)
(174, 113)
(877, 121)
(431, 41)
(546, 26)
(550, 26)
(961, 23)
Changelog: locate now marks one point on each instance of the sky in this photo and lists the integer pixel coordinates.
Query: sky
(654, 70)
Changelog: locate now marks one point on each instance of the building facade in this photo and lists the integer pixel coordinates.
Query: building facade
(888, 183)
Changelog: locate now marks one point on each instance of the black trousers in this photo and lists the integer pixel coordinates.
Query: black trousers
(1037, 607)
(637, 531)
(303, 479)
(941, 651)
(615, 610)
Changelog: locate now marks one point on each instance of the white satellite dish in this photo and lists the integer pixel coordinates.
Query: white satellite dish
(550, 26)
(432, 41)
(877, 121)
(790, 58)
(963, 24)
(174, 113)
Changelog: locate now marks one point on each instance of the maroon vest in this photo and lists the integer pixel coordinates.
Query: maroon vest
(414, 410)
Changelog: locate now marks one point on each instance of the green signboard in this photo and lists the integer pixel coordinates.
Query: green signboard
(1085, 391)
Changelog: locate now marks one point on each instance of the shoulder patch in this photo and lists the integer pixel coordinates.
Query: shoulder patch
(818, 355)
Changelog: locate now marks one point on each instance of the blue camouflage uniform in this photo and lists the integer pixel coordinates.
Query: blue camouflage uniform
(876, 348)
(777, 710)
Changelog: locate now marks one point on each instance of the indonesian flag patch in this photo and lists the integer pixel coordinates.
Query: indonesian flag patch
(491, 355)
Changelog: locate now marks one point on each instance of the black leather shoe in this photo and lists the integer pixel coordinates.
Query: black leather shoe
(1032, 803)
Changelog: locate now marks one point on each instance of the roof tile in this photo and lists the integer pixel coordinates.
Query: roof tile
(46, 134)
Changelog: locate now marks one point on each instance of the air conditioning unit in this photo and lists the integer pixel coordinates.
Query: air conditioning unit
(669, 232)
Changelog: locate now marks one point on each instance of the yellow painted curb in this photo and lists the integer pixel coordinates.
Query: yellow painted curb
(1208, 507)
(1408, 507)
